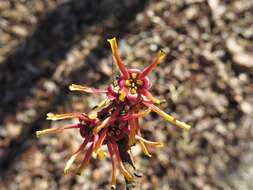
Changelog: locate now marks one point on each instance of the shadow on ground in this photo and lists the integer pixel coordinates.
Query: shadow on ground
(39, 55)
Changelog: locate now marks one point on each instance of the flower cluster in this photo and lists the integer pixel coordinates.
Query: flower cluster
(116, 117)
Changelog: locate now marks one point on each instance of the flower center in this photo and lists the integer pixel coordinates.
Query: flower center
(133, 83)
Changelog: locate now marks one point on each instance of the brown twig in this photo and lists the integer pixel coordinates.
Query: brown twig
(128, 162)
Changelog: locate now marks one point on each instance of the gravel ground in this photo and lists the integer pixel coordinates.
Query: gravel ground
(206, 80)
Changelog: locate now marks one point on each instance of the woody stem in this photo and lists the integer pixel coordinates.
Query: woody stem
(127, 160)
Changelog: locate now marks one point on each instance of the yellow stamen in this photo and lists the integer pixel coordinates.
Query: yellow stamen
(122, 95)
(133, 91)
(101, 154)
(168, 117)
(139, 82)
(127, 83)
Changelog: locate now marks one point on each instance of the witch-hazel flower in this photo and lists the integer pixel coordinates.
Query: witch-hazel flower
(134, 90)
(115, 118)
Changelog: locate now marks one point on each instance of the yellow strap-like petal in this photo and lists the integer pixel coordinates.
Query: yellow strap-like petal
(157, 144)
(75, 87)
(155, 62)
(54, 130)
(54, 117)
(115, 53)
(167, 117)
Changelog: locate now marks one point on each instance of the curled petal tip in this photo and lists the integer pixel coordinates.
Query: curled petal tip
(160, 145)
(112, 42)
(66, 171)
(46, 131)
(78, 173)
(161, 54)
(101, 154)
(50, 116)
(71, 87)
(93, 115)
(54, 117)
(38, 134)
(147, 154)
(113, 187)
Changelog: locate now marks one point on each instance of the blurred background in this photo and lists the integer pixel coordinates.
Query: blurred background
(206, 79)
